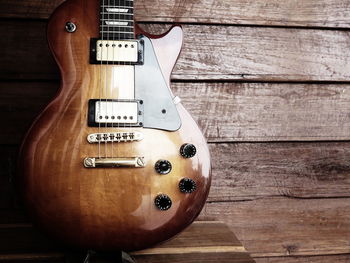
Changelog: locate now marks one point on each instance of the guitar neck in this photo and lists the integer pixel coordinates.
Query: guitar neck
(117, 19)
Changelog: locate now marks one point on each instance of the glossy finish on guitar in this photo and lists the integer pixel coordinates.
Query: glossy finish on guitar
(105, 208)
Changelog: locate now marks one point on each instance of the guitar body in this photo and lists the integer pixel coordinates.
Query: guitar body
(107, 208)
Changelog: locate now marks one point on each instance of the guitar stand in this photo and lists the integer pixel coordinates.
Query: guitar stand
(115, 257)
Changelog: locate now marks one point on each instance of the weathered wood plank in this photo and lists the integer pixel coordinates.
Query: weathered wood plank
(224, 111)
(248, 171)
(11, 216)
(8, 157)
(24, 239)
(204, 241)
(276, 227)
(268, 112)
(311, 259)
(20, 237)
(34, 257)
(335, 13)
(284, 226)
(209, 53)
(299, 170)
(184, 258)
(20, 103)
(59, 257)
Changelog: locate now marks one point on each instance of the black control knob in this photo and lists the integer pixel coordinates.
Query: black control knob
(163, 167)
(188, 150)
(163, 202)
(187, 185)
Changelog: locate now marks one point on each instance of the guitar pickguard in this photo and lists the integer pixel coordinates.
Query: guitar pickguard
(159, 109)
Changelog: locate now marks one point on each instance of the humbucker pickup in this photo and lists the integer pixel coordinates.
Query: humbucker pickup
(120, 52)
(115, 113)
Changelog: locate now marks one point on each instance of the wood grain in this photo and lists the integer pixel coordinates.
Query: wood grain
(281, 226)
(204, 239)
(294, 170)
(224, 53)
(251, 171)
(310, 259)
(287, 201)
(268, 112)
(225, 111)
(308, 13)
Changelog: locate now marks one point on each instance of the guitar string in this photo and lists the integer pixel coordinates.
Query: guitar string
(118, 80)
(112, 115)
(101, 83)
(130, 18)
(106, 79)
(112, 85)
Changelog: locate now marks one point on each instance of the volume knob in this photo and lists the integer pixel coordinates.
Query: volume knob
(188, 150)
(163, 166)
(187, 185)
(163, 202)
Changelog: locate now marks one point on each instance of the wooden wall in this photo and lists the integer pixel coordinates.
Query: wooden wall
(268, 82)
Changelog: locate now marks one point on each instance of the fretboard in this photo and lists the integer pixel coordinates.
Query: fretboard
(117, 19)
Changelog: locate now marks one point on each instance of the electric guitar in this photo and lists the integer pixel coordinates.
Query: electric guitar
(114, 162)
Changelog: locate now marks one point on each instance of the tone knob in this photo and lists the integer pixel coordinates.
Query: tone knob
(187, 185)
(188, 150)
(163, 166)
(163, 202)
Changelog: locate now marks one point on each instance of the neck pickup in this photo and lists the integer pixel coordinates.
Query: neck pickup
(116, 52)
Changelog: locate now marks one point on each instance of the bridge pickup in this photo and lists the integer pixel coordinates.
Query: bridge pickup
(115, 113)
(133, 162)
(115, 137)
(119, 52)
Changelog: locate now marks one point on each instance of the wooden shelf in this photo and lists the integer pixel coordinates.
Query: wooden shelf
(203, 241)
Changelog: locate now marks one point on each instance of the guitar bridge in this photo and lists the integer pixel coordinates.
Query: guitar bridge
(114, 137)
(133, 162)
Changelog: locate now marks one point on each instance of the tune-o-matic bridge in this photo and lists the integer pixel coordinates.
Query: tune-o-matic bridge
(133, 162)
(115, 137)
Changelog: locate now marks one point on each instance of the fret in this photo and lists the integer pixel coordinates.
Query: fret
(118, 3)
(106, 26)
(116, 32)
(117, 10)
(114, 36)
(128, 30)
(117, 6)
(116, 17)
(118, 23)
(113, 2)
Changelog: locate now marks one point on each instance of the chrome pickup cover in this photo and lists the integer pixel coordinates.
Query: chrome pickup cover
(115, 137)
(122, 112)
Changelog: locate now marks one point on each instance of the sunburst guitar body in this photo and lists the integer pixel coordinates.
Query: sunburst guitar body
(114, 162)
